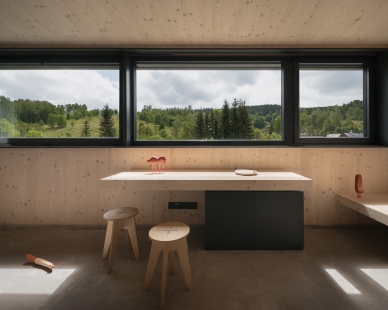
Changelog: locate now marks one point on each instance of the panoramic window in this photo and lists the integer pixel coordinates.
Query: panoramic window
(59, 103)
(209, 102)
(331, 101)
(130, 99)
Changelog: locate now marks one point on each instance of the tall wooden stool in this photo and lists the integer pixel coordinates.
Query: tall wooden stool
(168, 237)
(118, 219)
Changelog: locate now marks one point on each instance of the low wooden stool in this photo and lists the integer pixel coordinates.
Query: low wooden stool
(168, 237)
(120, 218)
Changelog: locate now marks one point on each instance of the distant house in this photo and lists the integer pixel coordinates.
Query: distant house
(345, 135)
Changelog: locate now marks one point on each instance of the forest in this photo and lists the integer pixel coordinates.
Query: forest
(234, 120)
(41, 119)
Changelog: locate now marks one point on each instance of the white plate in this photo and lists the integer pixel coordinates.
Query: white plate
(245, 172)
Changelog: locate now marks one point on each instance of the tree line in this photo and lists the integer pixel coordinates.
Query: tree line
(27, 118)
(234, 120)
(231, 122)
(322, 121)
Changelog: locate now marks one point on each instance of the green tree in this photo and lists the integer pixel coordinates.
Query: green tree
(176, 127)
(163, 134)
(208, 127)
(212, 120)
(259, 122)
(216, 129)
(244, 121)
(7, 129)
(6, 109)
(41, 123)
(85, 129)
(34, 134)
(257, 134)
(235, 124)
(200, 125)
(145, 133)
(270, 128)
(277, 124)
(61, 121)
(187, 131)
(225, 121)
(52, 120)
(107, 124)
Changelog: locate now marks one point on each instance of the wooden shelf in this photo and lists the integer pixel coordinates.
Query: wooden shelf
(209, 180)
(374, 206)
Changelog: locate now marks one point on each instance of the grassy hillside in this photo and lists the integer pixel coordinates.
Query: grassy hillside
(76, 130)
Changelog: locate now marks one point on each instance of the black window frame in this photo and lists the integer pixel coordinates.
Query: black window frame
(75, 59)
(219, 60)
(126, 59)
(369, 71)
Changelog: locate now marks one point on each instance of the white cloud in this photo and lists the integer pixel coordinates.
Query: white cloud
(61, 86)
(330, 87)
(179, 88)
(206, 88)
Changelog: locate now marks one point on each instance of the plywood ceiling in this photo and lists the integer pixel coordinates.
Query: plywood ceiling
(193, 23)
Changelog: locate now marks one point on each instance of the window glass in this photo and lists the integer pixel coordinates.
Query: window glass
(59, 103)
(193, 104)
(331, 102)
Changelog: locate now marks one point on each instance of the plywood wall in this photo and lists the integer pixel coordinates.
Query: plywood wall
(61, 186)
(188, 23)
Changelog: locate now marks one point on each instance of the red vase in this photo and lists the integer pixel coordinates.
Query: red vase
(358, 185)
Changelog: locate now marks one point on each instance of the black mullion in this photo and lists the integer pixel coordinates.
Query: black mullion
(295, 101)
(125, 89)
(369, 100)
(132, 120)
(365, 105)
(287, 102)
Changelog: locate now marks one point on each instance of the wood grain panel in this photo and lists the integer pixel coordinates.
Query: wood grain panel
(187, 23)
(61, 186)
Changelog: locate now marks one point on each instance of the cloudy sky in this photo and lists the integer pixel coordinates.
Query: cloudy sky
(90, 87)
(207, 89)
(203, 89)
(329, 87)
(179, 88)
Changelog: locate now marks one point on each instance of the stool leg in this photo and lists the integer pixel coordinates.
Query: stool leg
(115, 233)
(128, 239)
(156, 247)
(183, 254)
(164, 276)
(172, 261)
(131, 230)
(108, 237)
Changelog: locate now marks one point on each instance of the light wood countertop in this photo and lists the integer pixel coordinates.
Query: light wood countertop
(374, 206)
(207, 180)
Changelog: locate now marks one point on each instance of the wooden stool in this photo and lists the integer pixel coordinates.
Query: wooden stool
(118, 219)
(168, 237)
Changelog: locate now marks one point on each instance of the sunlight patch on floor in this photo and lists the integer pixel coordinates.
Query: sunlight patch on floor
(348, 287)
(32, 281)
(378, 275)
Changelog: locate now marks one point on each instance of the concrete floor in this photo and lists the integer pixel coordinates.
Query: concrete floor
(222, 279)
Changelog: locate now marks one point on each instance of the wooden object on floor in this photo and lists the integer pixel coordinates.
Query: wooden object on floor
(120, 218)
(168, 237)
(40, 261)
(374, 206)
